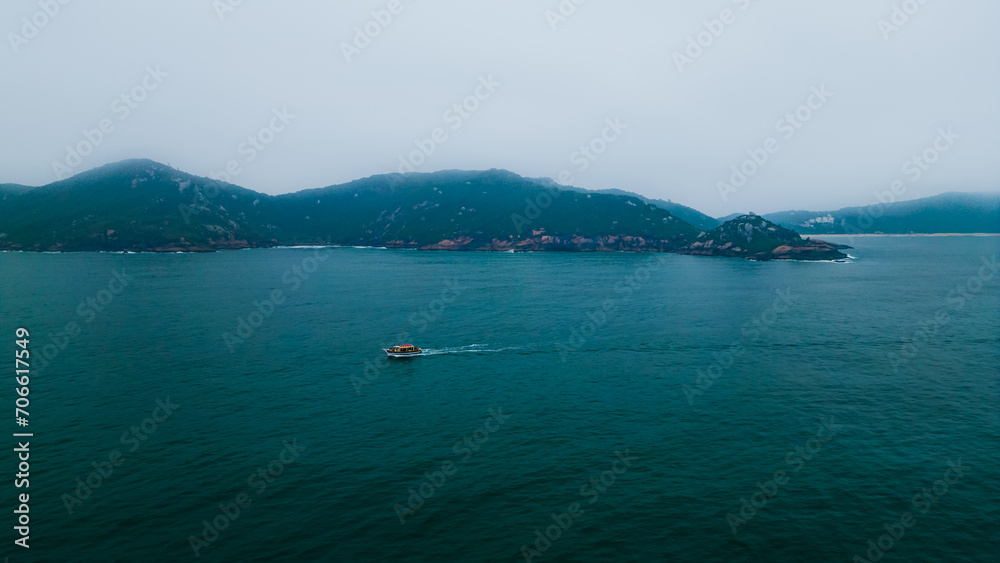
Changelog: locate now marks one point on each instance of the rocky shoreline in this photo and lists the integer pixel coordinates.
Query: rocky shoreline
(802, 249)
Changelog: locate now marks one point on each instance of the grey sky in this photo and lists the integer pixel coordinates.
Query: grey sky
(221, 79)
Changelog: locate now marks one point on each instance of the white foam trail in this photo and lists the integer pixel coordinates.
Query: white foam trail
(470, 349)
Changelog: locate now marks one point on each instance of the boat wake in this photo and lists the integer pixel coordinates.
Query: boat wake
(470, 349)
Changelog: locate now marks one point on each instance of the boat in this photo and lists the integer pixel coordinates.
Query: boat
(403, 351)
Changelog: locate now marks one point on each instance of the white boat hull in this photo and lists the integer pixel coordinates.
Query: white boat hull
(402, 354)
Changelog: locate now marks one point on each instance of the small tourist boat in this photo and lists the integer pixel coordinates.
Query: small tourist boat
(403, 351)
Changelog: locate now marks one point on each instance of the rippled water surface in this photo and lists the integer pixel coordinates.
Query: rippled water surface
(691, 386)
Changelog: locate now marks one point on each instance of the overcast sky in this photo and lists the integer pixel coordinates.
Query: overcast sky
(328, 104)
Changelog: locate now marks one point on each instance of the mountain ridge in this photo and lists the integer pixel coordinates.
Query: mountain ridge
(143, 205)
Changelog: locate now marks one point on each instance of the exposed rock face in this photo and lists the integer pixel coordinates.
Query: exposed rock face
(460, 243)
(574, 243)
(810, 250)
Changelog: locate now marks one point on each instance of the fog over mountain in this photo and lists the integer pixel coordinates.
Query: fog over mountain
(725, 107)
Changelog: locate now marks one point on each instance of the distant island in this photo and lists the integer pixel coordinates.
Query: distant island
(144, 206)
(946, 213)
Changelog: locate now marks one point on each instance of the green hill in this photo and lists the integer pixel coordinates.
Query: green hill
(682, 212)
(10, 191)
(495, 209)
(135, 205)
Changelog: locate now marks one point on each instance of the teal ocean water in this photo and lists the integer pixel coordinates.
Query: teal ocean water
(236, 406)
